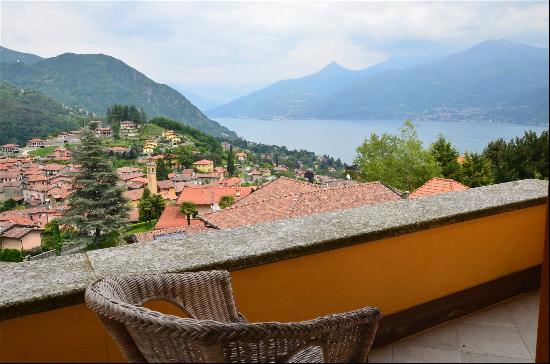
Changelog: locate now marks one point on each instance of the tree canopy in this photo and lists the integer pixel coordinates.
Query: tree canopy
(396, 160)
(226, 201)
(446, 156)
(188, 209)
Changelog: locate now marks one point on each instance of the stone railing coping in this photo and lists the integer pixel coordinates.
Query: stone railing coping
(36, 286)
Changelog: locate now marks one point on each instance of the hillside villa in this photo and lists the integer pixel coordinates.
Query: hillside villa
(204, 166)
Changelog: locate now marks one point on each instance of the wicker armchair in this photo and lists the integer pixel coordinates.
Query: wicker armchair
(215, 331)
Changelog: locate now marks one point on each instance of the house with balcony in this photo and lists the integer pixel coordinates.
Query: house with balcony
(36, 143)
(104, 132)
(455, 275)
(9, 148)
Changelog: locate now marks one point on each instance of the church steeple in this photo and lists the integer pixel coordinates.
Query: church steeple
(152, 177)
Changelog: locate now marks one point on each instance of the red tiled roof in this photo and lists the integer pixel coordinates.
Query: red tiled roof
(18, 232)
(210, 194)
(53, 167)
(155, 234)
(437, 185)
(203, 162)
(15, 218)
(166, 184)
(37, 178)
(132, 185)
(168, 195)
(301, 204)
(122, 170)
(172, 217)
(140, 180)
(233, 181)
(127, 177)
(133, 195)
(280, 187)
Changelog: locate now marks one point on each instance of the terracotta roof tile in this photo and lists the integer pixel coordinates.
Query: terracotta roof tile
(306, 203)
(203, 162)
(279, 187)
(172, 218)
(18, 232)
(127, 177)
(166, 184)
(167, 233)
(133, 195)
(436, 186)
(210, 194)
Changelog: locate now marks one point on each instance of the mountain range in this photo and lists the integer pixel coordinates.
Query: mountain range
(496, 80)
(97, 81)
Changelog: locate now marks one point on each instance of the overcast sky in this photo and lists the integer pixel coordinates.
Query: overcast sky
(224, 49)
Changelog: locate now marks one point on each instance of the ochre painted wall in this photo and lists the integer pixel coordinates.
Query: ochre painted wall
(392, 274)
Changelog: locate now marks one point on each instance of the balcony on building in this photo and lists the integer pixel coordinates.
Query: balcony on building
(456, 277)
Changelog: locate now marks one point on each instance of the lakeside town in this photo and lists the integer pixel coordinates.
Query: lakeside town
(37, 180)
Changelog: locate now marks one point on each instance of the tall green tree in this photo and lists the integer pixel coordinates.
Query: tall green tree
(97, 207)
(226, 201)
(230, 162)
(115, 127)
(396, 160)
(145, 207)
(158, 204)
(498, 152)
(476, 170)
(162, 170)
(446, 156)
(188, 209)
(56, 237)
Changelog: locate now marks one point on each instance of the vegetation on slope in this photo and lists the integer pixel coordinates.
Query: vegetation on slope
(25, 114)
(96, 81)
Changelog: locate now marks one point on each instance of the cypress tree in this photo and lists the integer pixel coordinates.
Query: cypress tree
(446, 156)
(230, 162)
(162, 170)
(145, 207)
(97, 206)
(56, 237)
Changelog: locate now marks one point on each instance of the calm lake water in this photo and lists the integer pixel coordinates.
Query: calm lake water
(339, 138)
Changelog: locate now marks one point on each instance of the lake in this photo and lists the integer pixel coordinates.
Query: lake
(339, 138)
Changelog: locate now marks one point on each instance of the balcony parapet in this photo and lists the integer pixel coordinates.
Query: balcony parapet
(37, 286)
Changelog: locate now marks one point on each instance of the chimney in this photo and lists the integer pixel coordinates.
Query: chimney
(406, 195)
(152, 177)
(238, 193)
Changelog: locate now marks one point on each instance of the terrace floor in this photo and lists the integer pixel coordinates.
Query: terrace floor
(502, 333)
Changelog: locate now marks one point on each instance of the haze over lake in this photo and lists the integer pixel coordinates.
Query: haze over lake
(339, 138)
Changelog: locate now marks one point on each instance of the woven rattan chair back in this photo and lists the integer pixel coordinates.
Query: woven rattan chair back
(215, 331)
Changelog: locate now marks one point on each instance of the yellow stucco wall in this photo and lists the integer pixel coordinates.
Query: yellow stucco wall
(393, 274)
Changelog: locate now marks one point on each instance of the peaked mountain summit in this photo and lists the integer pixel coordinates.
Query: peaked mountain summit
(496, 80)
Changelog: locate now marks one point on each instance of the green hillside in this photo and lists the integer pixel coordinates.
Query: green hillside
(9, 56)
(25, 114)
(96, 81)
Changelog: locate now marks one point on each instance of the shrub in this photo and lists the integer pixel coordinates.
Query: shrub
(11, 255)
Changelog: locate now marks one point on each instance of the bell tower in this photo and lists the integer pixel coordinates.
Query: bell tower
(152, 177)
